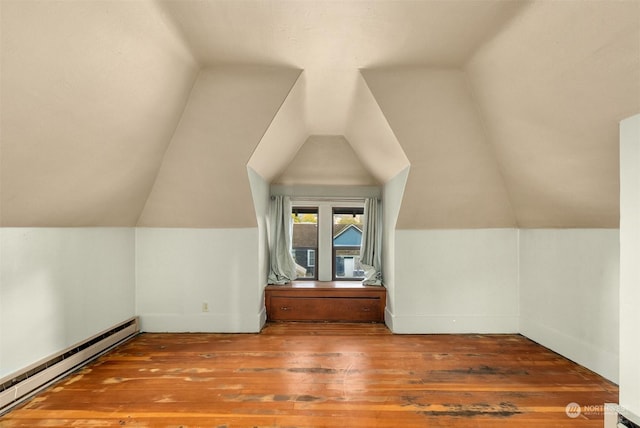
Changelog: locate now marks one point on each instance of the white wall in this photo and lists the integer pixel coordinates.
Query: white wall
(260, 192)
(558, 287)
(456, 281)
(569, 294)
(629, 264)
(177, 270)
(60, 286)
(392, 193)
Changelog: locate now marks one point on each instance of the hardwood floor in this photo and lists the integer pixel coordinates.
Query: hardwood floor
(322, 375)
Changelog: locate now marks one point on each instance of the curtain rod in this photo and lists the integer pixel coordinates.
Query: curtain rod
(326, 198)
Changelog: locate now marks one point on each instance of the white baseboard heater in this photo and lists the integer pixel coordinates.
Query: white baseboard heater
(20, 385)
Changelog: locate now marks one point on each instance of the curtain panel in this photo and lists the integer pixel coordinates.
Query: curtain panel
(371, 247)
(282, 266)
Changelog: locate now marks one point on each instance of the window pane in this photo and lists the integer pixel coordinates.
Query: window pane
(347, 237)
(347, 263)
(305, 241)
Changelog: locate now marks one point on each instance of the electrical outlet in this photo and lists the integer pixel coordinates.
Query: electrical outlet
(205, 307)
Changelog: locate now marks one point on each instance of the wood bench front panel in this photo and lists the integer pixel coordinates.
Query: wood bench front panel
(325, 303)
(325, 309)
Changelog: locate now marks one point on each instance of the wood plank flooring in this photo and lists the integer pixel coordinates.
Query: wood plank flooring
(322, 375)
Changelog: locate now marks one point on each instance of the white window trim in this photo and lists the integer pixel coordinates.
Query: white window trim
(324, 256)
(309, 252)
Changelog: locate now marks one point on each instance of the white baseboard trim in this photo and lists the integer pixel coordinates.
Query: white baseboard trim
(262, 316)
(451, 324)
(388, 318)
(201, 323)
(602, 361)
(18, 386)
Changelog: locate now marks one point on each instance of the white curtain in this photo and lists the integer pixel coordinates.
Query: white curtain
(371, 247)
(282, 266)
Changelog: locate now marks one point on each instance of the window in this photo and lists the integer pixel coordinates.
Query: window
(347, 237)
(326, 240)
(311, 258)
(304, 241)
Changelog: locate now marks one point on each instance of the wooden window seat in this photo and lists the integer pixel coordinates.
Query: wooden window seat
(346, 301)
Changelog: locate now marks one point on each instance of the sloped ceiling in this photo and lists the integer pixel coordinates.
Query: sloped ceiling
(326, 160)
(455, 181)
(147, 112)
(551, 89)
(91, 93)
(203, 178)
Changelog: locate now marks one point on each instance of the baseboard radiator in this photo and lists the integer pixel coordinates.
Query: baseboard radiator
(616, 416)
(20, 385)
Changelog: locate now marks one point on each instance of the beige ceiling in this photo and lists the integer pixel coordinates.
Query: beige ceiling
(91, 93)
(148, 112)
(332, 40)
(326, 160)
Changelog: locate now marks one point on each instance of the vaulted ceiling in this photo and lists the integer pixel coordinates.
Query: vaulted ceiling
(148, 112)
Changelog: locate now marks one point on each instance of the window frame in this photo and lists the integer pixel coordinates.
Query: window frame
(324, 269)
(342, 210)
(297, 209)
(314, 252)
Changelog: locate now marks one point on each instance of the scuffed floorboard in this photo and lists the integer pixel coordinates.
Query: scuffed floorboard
(322, 375)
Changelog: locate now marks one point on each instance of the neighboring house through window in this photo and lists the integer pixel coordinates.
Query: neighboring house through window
(305, 241)
(347, 237)
(326, 242)
(311, 258)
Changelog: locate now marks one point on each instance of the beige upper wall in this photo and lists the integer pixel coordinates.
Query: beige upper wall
(90, 95)
(454, 181)
(526, 135)
(331, 39)
(368, 153)
(286, 134)
(326, 160)
(203, 180)
(371, 137)
(551, 89)
(507, 111)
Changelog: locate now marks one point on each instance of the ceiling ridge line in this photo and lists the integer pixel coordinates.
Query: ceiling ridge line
(491, 147)
(166, 149)
(516, 15)
(273, 118)
(177, 29)
(351, 131)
